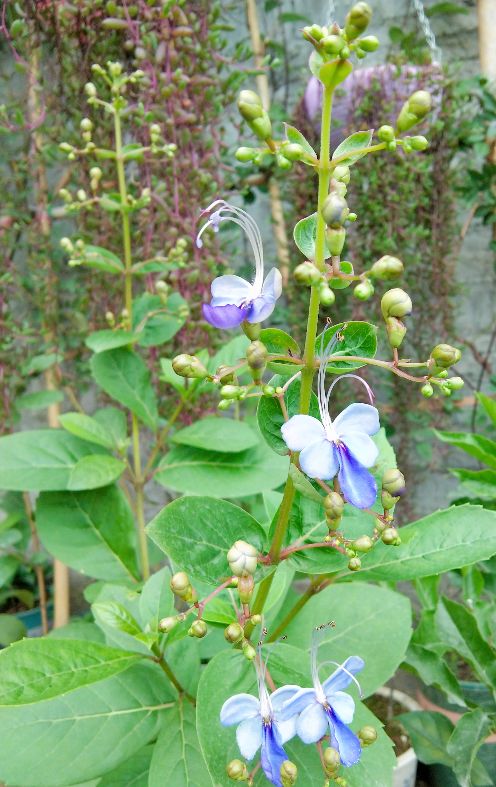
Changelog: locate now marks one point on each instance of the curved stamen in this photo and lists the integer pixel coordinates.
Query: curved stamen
(357, 377)
(261, 670)
(343, 669)
(321, 379)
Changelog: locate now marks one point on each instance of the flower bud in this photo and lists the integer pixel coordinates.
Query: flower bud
(388, 501)
(242, 559)
(237, 771)
(225, 374)
(367, 735)
(414, 110)
(335, 210)
(256, 355)
(455, 383)
(233, 633)
(90, 89)
(396, 331)
(225, 404)
(335, 240)
(250, 105)
(333, 506)
(262, 126)
(315, 31)
(288, 773)
(357, 20)
(387, 268)
(189, 366)
(364, 290)
(246, 586)
(369, 43)
(86, 124)
(363, 544)
(256, 620)
(396, 303)
(342, 174)
(427, 390)
(355, 564)
(386, 134)
(332, 761)
(419, 143)
(393, 481)
(95, 173)
(444, 355)
(251, 329)
(230, 391)
(246, 154)
(249, 651)
(326, 295)
(181, 586)
(167, 624)
(307, 273)
(294, 152)
(332, 44)
(390, 536)
(198, 629)
(268, 390)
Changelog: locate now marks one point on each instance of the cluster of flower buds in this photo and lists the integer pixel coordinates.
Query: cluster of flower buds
(393, 487)
(189, 366)
(251, 109)
(395, 304)
(442, 357)
(337, 42)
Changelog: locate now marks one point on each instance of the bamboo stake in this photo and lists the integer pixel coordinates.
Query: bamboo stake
(486, 13)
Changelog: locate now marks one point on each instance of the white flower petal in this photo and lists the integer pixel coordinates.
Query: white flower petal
(282, 695)
(362, 447)
(230, 290)
(296, 704)
(272, 286)
(286, 729)
(311, 724)
(319, 460)
(261, 308)
(238, 708)
(343, 706)
(301, 430)
(357, 417)
(249, 736)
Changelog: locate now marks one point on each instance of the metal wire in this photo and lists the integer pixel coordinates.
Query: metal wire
(332, 12)
(427, 31)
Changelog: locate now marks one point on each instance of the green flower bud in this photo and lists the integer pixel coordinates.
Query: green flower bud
(189, 366)
(386, 134)
(225, 374)
(393, 481)
(442, 374)
(396, 303)
(294, 152)
(332, 761)
(250, 105)
(369, 43)
(256, 619)
(340, 781)
(335, 210)
(444, 355)
(364, 290)
(246, 154)
(414, 110)
(181, 586)
(251, 329)
(308, 274)
(315, 31)
(167, 624)
(419, 143)
(326, 295)
(357, 20)
(333, 506)
(335, 240)
(237, 771)
(225, 404)
(256, 355)
(230, 391)
(233, 633)
(66, 245)
(242, 559)
(288, 773)
(198, 629)
(387, 268)
(246, 585)
(367, 735)
(65, 148)
(387, 500)
(268, 390)
(249, 651)
(332, 44)
(90, 89)
(86, 124)
(396, 331)
(455, 383)
(95, 173)
(427, 390)
(391, 145)
(282, 162)
(262, 126)
(81, 195)
(342, 174)
(355, 564)
(390, 535)
(363, 544)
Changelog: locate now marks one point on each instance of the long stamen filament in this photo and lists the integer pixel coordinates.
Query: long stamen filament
(343, 669)
(357, 377)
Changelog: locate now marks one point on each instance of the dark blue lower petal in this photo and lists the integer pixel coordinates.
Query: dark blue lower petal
(272, 755)
(229, 316)
(357, 484)
(344, 740)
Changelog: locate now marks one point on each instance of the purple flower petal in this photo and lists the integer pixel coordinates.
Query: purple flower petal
(340, 678)
(301, 430)
(320, 460)
(357, 484)
(362, 448)
(224, 316)
(272, 755)
(311, 724)
(344, 740)
(357, 417)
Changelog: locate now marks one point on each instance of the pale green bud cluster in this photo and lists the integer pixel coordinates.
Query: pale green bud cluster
(414, 110)
(251, 109)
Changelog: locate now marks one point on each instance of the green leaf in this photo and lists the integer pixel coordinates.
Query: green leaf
(470, 732)
(156, 599)
(125, 377)
(40, 363)
(177, 752)
(11, 630)
(304, 234)
(217, 434)
(440, 542)
(66, 665)
(154, 322)
(93, 471)
(489, 405)
(296, 137)
(478, 483)
(280, 342)
(131, 773)
(115, 615)
(101, 259)
(358, 338)
(197, 532)
(114, 422)
(446, 8)
(228, 673)
(384, 614)
(336, 282)
(303, 485)
(429, 732)
(459, 631)
(433, 671)
(40, 459)
(482, 448)
(86, 428)
(92, 532)
(194, 471)
(8, 567)
(38, 400)
(270, 417)
(169, 376)
(351, 145)
(111, 719)
(100, 341)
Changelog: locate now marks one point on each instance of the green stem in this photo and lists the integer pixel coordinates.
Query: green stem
(165, 668)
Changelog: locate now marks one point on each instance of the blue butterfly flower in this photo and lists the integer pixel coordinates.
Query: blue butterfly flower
(235, 300)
